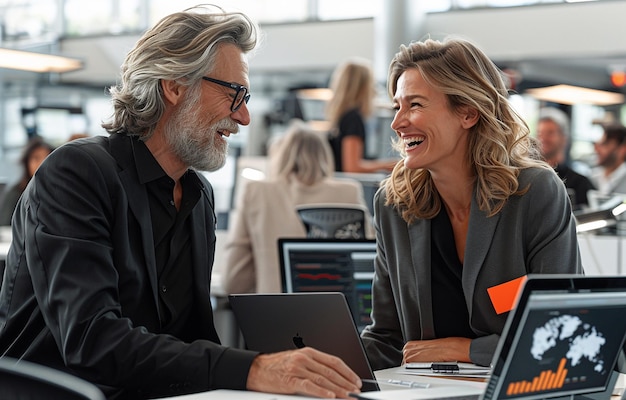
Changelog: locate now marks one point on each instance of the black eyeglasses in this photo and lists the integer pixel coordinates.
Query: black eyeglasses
(241, 94)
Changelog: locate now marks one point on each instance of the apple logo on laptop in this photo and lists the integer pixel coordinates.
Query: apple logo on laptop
(298, 341)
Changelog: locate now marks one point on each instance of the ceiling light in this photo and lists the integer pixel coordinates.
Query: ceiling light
(566, 94)
(37, 62)
(253, 174)
(323, 94)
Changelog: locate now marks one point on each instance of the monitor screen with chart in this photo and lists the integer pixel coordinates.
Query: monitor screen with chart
(331, 265)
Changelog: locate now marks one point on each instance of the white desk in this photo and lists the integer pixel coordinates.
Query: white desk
(438, 387)
(602, 254)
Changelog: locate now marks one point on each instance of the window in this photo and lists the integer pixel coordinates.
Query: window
(28, 19)
(346, 9)
(102, 17)
(261, 11)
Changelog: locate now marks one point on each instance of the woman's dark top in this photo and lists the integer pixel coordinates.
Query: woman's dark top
(450, 315)
(350, 124)
(8, 201)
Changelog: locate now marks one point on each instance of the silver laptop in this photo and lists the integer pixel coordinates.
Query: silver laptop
(322, 320)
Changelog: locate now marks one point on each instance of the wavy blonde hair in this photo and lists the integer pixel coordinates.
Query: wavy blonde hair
(499, 145)
(352, 84)
(302, 154)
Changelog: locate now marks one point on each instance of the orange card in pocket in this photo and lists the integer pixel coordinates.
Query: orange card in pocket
(503, 296)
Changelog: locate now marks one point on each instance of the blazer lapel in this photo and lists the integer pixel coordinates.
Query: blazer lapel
(121, 150)
(419, 232)
(482, 230)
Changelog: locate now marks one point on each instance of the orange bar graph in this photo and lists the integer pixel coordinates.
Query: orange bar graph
(546, 380)
(560, 375)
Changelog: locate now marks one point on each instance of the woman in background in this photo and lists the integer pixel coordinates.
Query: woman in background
(352, 103)
(34, 153)
(301, 168)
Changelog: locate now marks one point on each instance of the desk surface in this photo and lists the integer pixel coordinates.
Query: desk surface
(439, 387)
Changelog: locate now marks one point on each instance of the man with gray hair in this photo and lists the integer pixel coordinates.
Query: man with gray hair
(553, 135)
(108, 274)
(610, 173)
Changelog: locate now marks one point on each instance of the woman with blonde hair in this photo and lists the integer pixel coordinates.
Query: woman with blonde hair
(352, 103)
(465, 217)
(301, 172)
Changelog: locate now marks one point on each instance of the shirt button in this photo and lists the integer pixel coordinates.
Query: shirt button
(164, 288)
(171, 202)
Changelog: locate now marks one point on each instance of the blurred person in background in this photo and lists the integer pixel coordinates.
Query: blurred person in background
(301, 172)
(554, 136)
(33, 155)
(352, 103)
(609, 176)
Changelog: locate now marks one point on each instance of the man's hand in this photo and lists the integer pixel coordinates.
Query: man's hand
(305, 371)
(446, 349)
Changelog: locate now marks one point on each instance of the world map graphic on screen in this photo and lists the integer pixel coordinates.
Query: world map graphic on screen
(584, 340)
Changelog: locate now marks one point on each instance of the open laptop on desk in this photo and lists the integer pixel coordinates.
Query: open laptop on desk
(562, 341)
(284, 321)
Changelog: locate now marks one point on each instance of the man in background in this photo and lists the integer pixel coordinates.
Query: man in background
(553, 134)
(609, 175)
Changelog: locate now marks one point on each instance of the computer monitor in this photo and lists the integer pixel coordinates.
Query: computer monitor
(331, 265)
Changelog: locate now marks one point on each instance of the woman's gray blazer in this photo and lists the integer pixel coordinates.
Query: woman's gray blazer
(534, 233)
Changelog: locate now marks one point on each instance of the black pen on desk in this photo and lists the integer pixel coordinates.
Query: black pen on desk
(398, 382)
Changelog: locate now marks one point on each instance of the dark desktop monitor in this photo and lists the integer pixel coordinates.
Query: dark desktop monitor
(331, 265)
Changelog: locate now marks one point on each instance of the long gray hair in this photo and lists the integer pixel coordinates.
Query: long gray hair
(182, 46)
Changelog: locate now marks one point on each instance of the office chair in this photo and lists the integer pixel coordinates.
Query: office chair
(340, 221)
(28, 381)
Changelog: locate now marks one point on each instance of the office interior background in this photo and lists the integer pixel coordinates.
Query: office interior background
(575, 46)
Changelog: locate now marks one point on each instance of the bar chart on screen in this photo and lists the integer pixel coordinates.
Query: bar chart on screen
(546, 380)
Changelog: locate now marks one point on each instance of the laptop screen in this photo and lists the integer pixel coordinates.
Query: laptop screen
(331, 265)
(563, 338)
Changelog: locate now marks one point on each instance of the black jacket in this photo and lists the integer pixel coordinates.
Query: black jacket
(80, 289)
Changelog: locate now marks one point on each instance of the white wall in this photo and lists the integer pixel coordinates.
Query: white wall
(544, 31)
(602, 254)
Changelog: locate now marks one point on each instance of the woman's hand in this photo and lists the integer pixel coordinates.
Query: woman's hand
(446, 349)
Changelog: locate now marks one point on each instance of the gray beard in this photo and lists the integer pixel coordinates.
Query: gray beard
(197, 145)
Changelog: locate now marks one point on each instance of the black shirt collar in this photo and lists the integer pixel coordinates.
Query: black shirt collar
(148, 169)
